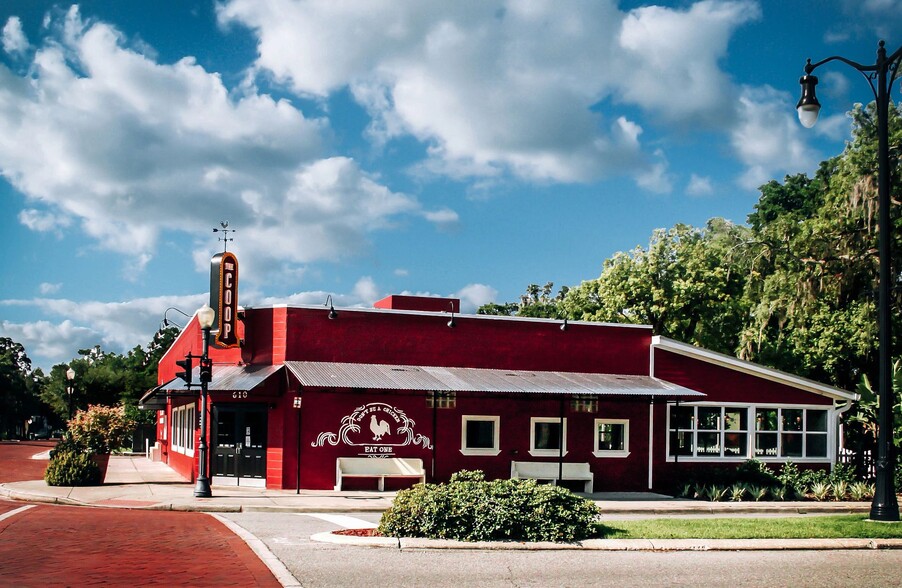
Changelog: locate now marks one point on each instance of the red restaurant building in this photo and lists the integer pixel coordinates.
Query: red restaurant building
(410, 380)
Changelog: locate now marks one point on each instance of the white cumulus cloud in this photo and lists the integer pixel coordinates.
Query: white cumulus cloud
(101, 135)
(506, 87)
(14, 39)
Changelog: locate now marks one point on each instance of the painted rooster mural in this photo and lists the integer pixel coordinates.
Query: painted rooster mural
(379, 428)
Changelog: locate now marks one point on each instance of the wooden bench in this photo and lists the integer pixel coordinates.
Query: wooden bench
(379, 468)
(549, 470)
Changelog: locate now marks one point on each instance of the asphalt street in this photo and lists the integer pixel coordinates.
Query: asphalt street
(45, 544)
(321, 564)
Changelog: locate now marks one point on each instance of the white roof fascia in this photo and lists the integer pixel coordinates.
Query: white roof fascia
(750, 368)
(457, 315)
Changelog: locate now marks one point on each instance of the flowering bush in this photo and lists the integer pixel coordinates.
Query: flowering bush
(101, 429)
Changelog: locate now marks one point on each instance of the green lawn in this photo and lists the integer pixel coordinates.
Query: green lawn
(845, 526)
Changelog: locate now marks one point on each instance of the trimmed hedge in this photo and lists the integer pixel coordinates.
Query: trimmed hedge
(468, 508)
(72, 468)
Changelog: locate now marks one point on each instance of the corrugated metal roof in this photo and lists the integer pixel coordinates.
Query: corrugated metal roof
(228, 378)
(457, 379)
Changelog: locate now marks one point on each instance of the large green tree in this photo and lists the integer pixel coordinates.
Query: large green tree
(813, 265)
(687, 284)
(18, 401)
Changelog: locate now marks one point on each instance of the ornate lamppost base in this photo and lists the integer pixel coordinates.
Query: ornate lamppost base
(202, 488)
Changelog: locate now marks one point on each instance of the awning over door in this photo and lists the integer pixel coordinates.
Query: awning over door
(457, 379)
(225, 378)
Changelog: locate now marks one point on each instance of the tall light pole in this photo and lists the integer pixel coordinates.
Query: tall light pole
(884, 507)
(205, 317)
(70, 387)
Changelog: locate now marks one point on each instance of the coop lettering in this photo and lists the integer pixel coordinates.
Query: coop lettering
(224, 298)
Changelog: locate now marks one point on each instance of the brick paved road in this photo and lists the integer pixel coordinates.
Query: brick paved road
(16, 464)
(77, 546)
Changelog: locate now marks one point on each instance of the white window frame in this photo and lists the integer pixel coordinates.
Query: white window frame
(626, 439)
(182, 423)
(804, 433)
(496, 445)
(751, 444)
(535, 452)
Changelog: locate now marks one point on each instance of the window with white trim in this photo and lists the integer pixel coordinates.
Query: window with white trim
(480, 435)
(728, 432)
(612, 438)
(183, 419)
(790, 432)
(546, 437)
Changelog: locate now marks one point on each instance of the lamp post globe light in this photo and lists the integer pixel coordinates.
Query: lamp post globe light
(70, 387)
(205, 318)
(880, 77)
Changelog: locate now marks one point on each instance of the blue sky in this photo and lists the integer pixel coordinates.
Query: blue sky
(365, 148)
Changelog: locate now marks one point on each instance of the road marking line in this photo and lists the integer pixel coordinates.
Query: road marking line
(278, 569)
(342, 520)
(13, 513)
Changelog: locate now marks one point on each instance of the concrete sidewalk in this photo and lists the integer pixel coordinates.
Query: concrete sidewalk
(137, 482)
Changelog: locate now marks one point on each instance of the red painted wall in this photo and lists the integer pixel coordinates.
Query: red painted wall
(423, 303)
(274, 335)
(725, 385)
(324, 409)
(483, 342)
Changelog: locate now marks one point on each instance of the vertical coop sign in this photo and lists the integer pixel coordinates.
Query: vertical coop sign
(224, 298)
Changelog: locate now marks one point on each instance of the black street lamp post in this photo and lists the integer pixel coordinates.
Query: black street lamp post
(70, 388)
(205, 317)
(884, 507)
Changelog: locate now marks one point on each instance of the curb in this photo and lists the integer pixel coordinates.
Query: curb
(815, 508)
(282, 574)
(661, 545)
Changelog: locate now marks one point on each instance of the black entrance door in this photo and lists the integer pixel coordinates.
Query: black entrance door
(239, 444)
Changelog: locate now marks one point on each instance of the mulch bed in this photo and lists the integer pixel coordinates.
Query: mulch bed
(358, 532)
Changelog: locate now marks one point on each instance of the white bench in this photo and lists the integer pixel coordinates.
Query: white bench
(549, 470)
(379, 468)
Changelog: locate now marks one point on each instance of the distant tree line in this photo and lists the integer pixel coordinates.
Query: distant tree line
(101, 377)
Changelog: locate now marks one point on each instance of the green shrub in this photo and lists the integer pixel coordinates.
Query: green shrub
(759, 493)
(72, 468)
(820, 491)
(839, 489)
(861, 491)
(67, 445)
(468, 508)
(738, 492)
